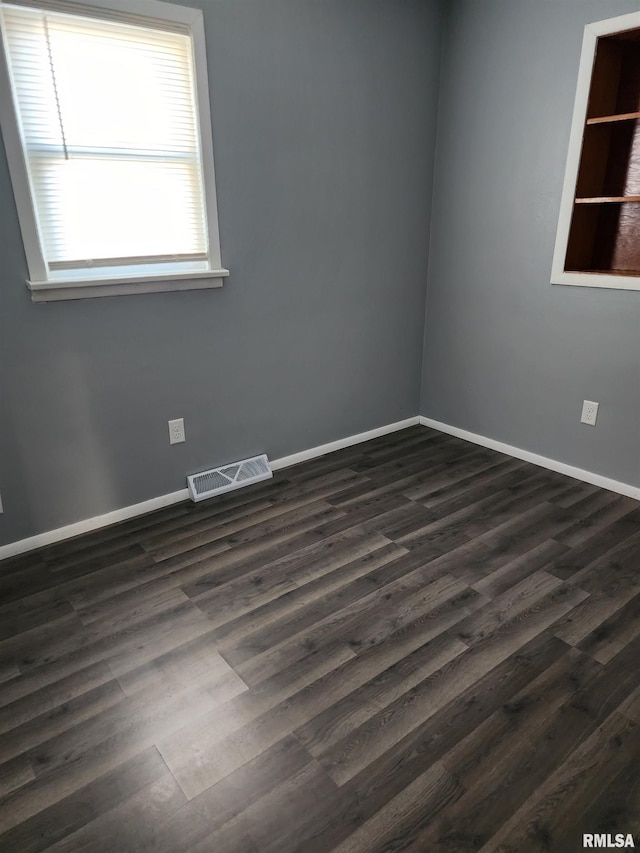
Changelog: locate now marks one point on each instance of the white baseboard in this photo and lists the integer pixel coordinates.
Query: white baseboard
(22, 546)
(322, 449)
(544, 461)
(89, 524)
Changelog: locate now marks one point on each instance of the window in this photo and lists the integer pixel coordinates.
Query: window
(598, 239)
(109, 147)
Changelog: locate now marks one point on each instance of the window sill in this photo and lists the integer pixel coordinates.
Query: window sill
(55, 291)
(614, 281)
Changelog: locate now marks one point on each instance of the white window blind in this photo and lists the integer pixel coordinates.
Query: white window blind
(109, 123)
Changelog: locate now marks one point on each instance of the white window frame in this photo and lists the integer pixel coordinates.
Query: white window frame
(558, 274)
(44, 289)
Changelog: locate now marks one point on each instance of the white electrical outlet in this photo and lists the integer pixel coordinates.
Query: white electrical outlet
(589, 412)
(176, 431)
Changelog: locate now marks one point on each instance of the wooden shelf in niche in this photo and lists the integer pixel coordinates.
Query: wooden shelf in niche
(604, 233)
(613, 272)
(622, 199)
(618, 117)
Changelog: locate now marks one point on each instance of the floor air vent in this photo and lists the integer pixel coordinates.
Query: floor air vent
(206, 484)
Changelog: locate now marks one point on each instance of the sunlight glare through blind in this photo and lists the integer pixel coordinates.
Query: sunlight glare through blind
(108, 117)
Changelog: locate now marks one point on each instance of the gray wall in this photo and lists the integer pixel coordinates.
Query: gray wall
(506, 354)
(324, 121)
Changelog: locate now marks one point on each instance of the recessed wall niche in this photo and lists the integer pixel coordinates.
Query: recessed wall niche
(598, 240)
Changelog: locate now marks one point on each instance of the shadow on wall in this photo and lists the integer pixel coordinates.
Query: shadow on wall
(27, 500)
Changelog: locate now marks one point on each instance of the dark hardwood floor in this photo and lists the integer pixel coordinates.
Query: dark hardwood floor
(412, 644)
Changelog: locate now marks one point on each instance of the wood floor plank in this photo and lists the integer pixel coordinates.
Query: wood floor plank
(336, 575)
(245, 742)
(513, 571)
(578, 557)
(274, 519)
(53, 695)
(521, 509)
(25, 583)
(116, 534)
(14, 773)
(383, 731)
(45, 642)
(386, 776)
(615, 810)
(491, 475)
(344, 626)
(613, 634)
(54, 822)
(329, 693)
(86, 563)
(112, 580)
(218, 804)
(407, 448)
(190, 664)
(9, 670)
(132, 605)
(197, 576)
(508, 605)
(615, 568)
(589, 615)
(272, 820)
(206, 522)
(599, 519)
(398, 823)
(249, 592)
(124, 649)
(201, 754)
(73, 759)
(450, 474)
(398, 471)
(342, 549)
(275, 531)
(128, 825)
(510, 755)
(132, 724)
(594, 711)
(490, 488)
(541, 822)
(631, 705)
(524, 530)
(413, 643)
(31, 612)
(518, 722)
(25, 737)
(278, 631)
(330, 726)
(540, 615)
(232, 836)
(574, 493)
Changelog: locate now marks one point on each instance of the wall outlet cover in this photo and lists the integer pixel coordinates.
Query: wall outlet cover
(176, 431)
(589, 412)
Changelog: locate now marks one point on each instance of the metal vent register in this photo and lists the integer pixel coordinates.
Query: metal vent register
(206, 484)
